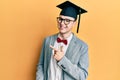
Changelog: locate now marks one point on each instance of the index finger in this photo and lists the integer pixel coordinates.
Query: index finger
(53, 48)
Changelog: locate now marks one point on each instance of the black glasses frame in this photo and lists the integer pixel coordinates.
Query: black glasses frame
(66, 21)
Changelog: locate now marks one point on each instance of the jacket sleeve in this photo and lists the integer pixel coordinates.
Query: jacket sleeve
(77, 71)
(40, 65)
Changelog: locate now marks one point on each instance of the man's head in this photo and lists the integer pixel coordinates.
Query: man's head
(70, 10)
(65, 24)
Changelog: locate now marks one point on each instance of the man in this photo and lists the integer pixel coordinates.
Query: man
(63, 55)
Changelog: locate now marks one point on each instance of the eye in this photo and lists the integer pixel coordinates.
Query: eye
(60, 18)
(67, 20)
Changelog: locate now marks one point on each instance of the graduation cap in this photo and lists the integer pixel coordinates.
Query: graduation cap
(71, 10)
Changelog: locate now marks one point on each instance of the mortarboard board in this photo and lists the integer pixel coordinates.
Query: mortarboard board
(71, 10)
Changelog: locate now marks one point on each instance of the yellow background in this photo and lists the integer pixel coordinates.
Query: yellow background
(25, 23)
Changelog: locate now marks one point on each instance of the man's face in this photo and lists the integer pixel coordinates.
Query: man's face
(65, 24)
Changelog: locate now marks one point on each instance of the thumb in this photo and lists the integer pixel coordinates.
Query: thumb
(61, 48)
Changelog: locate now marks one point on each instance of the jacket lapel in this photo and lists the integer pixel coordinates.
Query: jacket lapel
(52, 39)
(72, 48)
(51, 42)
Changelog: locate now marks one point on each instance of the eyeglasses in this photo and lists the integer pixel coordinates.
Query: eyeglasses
(66, 21)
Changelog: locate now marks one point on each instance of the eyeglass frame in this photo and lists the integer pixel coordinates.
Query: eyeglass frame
(64, 20)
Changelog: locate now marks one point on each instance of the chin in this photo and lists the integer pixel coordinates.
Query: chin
(63, 32)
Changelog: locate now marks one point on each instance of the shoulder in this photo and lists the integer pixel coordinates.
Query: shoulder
(83, 46)
(81, 42)
(50, 38)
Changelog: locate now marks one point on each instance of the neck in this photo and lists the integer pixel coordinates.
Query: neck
(65, 35)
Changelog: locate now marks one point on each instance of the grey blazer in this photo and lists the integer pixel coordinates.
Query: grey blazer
(74, 64)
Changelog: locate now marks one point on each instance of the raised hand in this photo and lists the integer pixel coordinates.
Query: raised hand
(58, 53)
